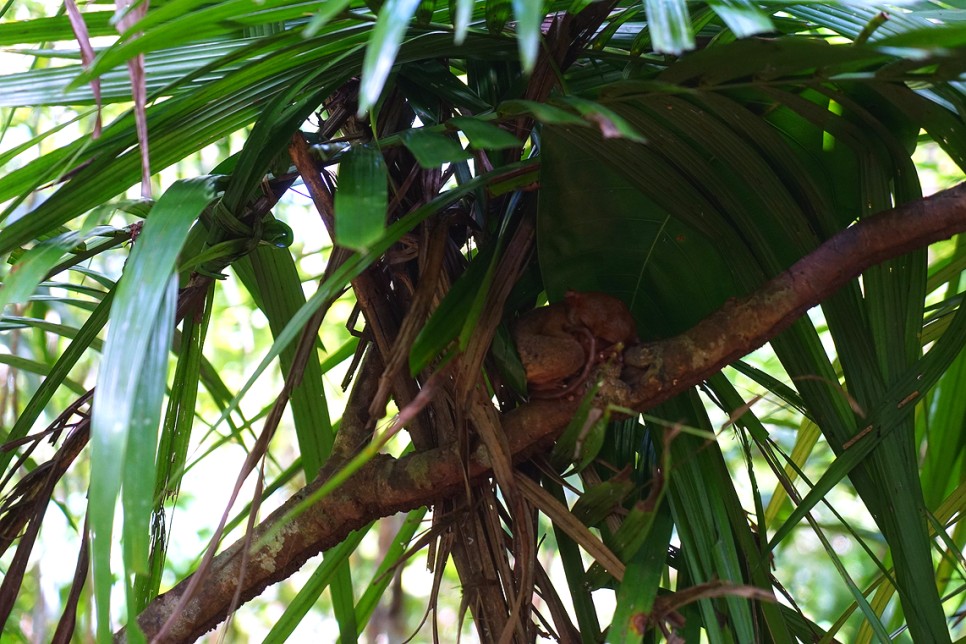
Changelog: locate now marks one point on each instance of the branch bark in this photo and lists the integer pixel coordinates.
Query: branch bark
(655, 372)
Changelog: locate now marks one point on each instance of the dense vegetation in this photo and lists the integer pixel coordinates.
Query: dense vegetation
(721, 167)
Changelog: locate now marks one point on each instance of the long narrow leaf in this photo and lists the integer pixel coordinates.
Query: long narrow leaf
(529, 14)
(382, 48)
(134, 329)
(361, 201)
(670, 26)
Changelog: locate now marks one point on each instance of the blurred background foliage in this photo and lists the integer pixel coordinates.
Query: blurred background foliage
(684, 152)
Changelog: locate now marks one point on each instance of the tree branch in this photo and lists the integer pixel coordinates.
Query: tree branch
(656, 372)
(743, 325)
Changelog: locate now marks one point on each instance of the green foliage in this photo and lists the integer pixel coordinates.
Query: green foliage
(676, 155)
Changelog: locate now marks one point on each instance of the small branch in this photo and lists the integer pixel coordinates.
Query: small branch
(660, 370)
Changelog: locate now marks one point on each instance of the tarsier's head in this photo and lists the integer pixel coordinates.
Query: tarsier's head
(605, 316)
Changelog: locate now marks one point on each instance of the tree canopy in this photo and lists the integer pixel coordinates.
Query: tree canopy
(394, 189)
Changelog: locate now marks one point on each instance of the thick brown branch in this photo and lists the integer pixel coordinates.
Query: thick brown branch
(660, 370)
(382, 487)
(741, 326)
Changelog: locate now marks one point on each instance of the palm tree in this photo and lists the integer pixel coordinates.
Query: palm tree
(720, 168)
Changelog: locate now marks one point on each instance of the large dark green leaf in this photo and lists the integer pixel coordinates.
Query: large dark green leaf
(670, 274)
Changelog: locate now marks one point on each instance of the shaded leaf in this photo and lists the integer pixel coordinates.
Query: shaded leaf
(361, 200)
(432, 149)
(381, 51)
(483, 135)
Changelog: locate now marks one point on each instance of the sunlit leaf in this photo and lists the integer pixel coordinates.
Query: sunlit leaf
(670, 26)
(139, 324)
(383, 44)
(742, 17)
(528, 14)
(460, 15)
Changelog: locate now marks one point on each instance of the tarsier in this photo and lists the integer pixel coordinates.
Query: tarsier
(560, 344)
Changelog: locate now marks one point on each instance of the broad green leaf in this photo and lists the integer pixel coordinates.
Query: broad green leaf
(361, 200)
(944, 37)
(541, 111)
(22, 279)
(140, 457)
(573, 565)
(432, 149)
(183, 23)
(851, 20)
(26, 365)
(271, 276)
(771, 59)
(56, 86)
(138, 325)
(611, 124)
(483, 135)
(744, 18)
(38, 30)
(585, 206)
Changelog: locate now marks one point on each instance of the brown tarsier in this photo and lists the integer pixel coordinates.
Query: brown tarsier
(560, 344)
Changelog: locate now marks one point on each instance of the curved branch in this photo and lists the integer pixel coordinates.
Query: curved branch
(742, 325)
(657, 371)
(382, 487)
